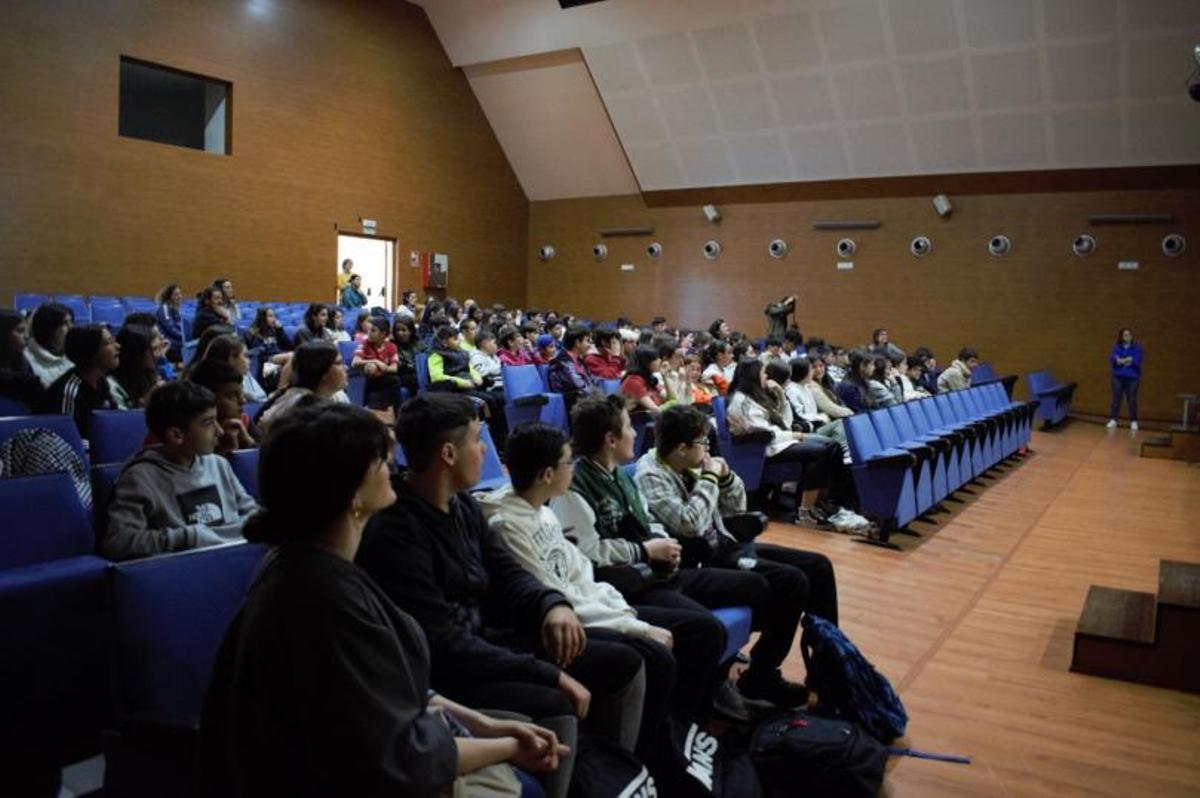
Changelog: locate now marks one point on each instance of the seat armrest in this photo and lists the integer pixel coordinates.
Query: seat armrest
(533, 400)
(891, 461)
(758, 436)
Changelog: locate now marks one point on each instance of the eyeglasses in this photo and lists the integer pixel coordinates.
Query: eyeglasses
(700, 442)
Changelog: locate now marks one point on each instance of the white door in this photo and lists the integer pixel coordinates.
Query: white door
(373, 260)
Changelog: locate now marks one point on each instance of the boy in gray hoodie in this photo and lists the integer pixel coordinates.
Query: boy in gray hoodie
(176, 495)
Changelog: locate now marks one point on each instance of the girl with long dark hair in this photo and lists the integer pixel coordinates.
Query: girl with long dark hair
(1125, 360)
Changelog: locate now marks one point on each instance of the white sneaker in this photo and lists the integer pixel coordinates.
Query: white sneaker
(1112, 423)
(1133, 426)
(848, 521)
(805, 518)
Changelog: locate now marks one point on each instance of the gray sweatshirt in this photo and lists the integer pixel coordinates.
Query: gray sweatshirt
(157, 506)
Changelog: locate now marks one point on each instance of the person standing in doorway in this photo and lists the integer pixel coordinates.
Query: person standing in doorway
(1126, 362)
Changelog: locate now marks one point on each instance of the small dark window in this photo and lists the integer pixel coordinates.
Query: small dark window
(173, 107)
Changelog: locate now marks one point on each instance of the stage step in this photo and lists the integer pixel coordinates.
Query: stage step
(1176, 444)
(1143, 637)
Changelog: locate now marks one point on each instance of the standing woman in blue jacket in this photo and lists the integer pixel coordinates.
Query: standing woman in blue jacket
(1126, 362)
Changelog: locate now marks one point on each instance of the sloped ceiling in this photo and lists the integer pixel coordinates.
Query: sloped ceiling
(717, 92)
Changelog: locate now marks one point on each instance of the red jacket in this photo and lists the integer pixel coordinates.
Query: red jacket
(605, 366)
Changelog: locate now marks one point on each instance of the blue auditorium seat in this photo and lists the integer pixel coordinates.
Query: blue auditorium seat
(245, 468)
(117, 434)
(26, 302)
(421, 361)
(923, 470)
(103, 477)
(111, 314)
(44, 520)
(1053, 397)
(63, 426)
(525, 399)
(883, 477)
(737, 622)
(493, 474)
(11, 407)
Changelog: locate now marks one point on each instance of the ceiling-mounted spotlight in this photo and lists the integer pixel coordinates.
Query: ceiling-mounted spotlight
(1174, 245)
(654, 250)
(846, 247)
(712, 248)
(711, 213)
(600, 252)
(1083, 245)
(999, 246)
(777, 248)
(920, 246)
(546, 252)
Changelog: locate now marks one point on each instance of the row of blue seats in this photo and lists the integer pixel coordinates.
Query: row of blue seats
(908, 458)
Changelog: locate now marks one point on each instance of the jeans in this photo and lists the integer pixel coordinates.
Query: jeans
(1127, 387)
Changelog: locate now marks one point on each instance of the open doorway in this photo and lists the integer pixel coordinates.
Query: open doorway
(375, 260)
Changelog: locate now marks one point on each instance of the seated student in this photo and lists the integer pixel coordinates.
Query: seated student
(719, 366)
(837, 364)
(210, 310)
(545, 350)
(169, 320)
(176, 495)
(228, 299)
(911, 379)
(408, 305)
(512, 348)
(672, 372)
(362, 326)
(450, 370)
(486, 362)
(86, 387)
(798, 390)
(321, 685)
(757, 403)
(232, 350)
(702, 393)
(404, 336)
(137, 373)
(314, 327)
(18, 382)
(468, 328)
(880, 382)
(720, 330)
(821, 386)
(641, 384)
(335, 326)
(853, 390)
(226, 386)
(556, 329)
(380, 361)
(539, 460)
(931, 372)
(267, 335)
(497, 637)
(352, 297)
(793, 344)
(606, 363)
(688, 491)
(617, 532)
(957, 376)
(567, 374)
(47, 339)
(315, 372)
(773, 351)
(882, 345)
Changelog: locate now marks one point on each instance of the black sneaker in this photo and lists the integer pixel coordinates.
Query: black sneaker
(774, 688)
(728, 704)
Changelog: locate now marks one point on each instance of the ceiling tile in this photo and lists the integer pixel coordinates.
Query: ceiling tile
(636, 119)
(992, 22)
(1014, 140)
(1082, 72)
(614, 67)
(726, 52)
(1079, 17)
(706, 162)
(1159, 65)
(656, 166)
(744, 106)
(852, 33)
(759, 158)
(803, 100)
(879, 149)
(1162, 14)
(787, 42)
(818, 154)
(923, 26)
(668, 59)
(944, 145)
(1007, 80)
(1164, 131)
(1087, 136)
(866, 93)
(934, 86)
(688, 112)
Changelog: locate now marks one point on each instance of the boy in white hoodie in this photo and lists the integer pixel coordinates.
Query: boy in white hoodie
(539, 462)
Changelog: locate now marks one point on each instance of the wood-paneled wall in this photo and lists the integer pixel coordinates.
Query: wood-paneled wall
(341, 110)
(1038, 307)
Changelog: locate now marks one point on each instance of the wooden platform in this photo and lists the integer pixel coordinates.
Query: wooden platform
(974, 624)
(1172, 444)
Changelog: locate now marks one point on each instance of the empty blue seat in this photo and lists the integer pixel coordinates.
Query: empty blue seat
(950, 418)
(27, 302)
(421, 361)
(1053, 397)
(609, 387)
(78, 306)
(117, 434)
(11, 407)
(356, 388)
(493, 475)
(738, 622)
(63, 426)
(44, 520)
(954, 454)
(112, 315)
(928, 473)
(245, 468)
(882, 476)
(103, 477)
(525, 399)
(347, 349)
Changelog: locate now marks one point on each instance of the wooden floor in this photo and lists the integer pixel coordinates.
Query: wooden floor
(973, 625)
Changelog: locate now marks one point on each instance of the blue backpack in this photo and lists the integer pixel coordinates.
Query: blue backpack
(847, 685)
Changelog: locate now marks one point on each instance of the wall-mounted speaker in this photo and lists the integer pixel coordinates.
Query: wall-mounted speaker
(712, 249)
(1083, 245)
(654, 250)
(777, 248)
(1174, 245)
(920, 247)
(600, 252)
(845, 247)
(546, 252)
(999, 246)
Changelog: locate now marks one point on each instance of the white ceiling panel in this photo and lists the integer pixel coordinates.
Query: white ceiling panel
(712, 92)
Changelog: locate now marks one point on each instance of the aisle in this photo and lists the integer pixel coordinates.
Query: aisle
(973, 624)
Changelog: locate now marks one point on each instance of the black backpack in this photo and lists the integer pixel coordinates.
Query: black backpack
(604, 769)
(800, 754)
(700, 765)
